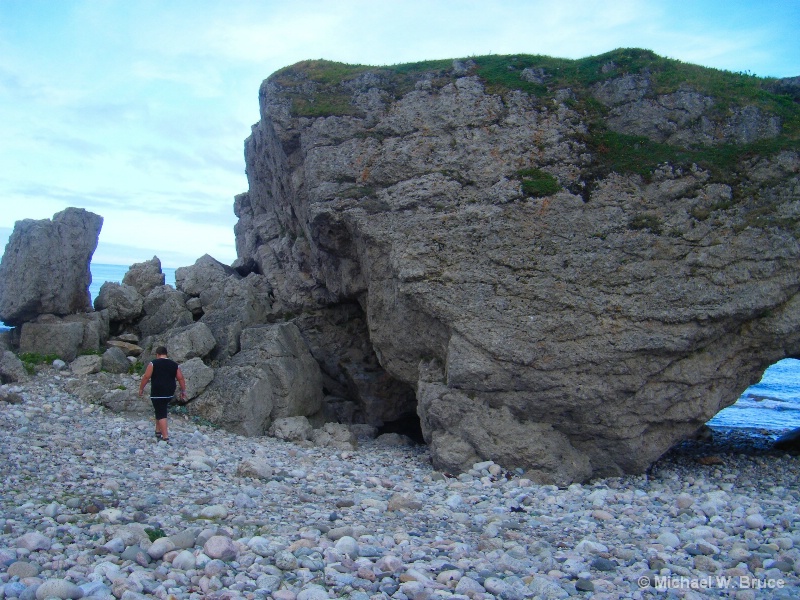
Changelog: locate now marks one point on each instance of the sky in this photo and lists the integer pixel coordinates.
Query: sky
(137, 110)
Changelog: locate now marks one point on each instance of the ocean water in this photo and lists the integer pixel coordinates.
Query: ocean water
(773, 404)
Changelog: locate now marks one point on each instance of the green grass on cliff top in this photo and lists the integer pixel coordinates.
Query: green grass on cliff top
(331, 89)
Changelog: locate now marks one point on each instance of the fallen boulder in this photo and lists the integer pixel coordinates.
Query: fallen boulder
(294, 376)
(334, 435)
(291, 429)
(164, 309)
(114, 360)
(87, 364)
(123, 302)
(192, 341)
(145, 276)
(64, 337)
(198, 376)
(239, 399)
(45, 268)
(11, 368)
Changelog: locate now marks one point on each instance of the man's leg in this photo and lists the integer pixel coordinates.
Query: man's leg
(161, 427)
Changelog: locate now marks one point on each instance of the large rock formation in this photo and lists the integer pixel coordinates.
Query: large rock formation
(45, 267)
(574, 264)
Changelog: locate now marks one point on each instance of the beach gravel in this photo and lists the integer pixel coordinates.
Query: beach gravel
(93, 507)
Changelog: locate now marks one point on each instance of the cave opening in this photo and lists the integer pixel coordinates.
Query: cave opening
(407, 424)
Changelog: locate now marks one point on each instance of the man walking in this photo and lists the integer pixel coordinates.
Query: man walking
(162, 374)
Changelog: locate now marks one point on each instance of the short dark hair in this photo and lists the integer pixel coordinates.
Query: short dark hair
(161, 350)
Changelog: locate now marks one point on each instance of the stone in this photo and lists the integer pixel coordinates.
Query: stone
(291, 429)
(214, 511)
(364, 432)
(145, 276)
(58, 588)
(334, 435)
(239, 399)
(587, 354)
(220, 547)
(45, 267)
(273, 376)
(127, 347)
(394, 439)
(160, 547)
(33, 541)
(10, 397)
(197, 375)
(23, 569)
(64, 337)
(184, 560)
(114, 360)
(123, 302)
(755, 521)
(347, 545)
(125, 401)
(402, 502)
(257, 468)
(87, 364)
(11, 368)
(313, 592)
(164, 309)
(280, 351)
(669, 539)
(192, 341)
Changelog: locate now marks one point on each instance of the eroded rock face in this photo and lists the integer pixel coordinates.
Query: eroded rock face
(45, 267)
(580, 334)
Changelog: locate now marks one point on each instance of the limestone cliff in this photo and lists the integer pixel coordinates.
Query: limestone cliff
(565, 266)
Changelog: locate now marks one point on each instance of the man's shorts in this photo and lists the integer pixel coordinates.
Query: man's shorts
(160, 406)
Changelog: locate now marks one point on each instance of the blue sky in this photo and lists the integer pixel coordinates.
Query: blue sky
(137, 109)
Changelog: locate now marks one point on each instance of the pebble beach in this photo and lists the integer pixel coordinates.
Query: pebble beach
(92, 506)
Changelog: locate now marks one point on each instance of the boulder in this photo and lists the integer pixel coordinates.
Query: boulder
(6, 339)
(291, 429)
(197, 375)
(334, 435)
(239, 399)
(123, 302)
(125, 401)
(45, 268)
(205, 279)
(145, 276)
(294, 377)
(551, 308)
(11, 368)
(255, 467)
(64, 337)
(87, 364)
(10, 397)
(164, 309)
(114, 360)
(93, 386)
(127, 347)
(189, 342)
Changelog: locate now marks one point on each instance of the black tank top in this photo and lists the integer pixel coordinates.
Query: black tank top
(162, 381)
